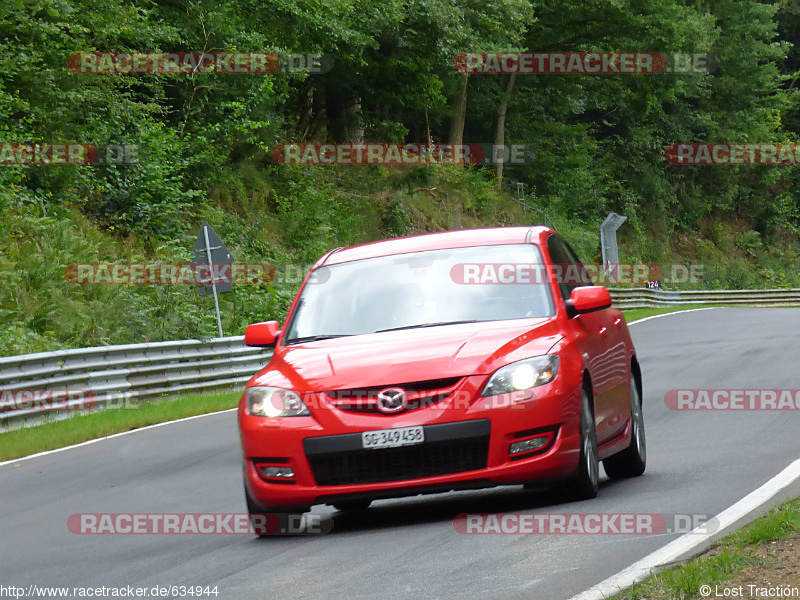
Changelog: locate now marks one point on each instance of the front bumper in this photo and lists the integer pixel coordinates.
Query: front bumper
(465, 447)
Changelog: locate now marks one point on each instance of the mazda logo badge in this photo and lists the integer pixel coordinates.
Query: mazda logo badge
(392, 400)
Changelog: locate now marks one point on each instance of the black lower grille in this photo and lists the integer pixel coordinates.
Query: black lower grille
(398, 464)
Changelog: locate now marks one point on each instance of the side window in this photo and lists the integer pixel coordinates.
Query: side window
(584, 275)
(569, 269)
(559, 258)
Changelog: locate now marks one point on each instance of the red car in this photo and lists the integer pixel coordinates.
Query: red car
(446, 361)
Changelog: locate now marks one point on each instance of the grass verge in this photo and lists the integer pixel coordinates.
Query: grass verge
(82, 427)
(723, 560)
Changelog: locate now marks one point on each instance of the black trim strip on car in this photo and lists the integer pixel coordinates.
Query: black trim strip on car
(412, 490)
(331, 253)
(275, 461)
(440, 432)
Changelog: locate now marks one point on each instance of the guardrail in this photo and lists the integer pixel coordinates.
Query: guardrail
(628, 298)
(134, 371)
(121, 373)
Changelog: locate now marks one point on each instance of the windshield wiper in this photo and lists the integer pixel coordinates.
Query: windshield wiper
(420, 325)
(314, 338)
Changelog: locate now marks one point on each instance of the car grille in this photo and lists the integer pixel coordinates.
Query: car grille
(420, 394)
(429, 459)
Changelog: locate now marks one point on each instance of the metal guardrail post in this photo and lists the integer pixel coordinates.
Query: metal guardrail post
(608, 241)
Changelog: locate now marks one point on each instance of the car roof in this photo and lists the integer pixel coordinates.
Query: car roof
(437, 241)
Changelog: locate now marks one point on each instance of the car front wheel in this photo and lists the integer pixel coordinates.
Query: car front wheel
(585, 483)
(276, 522)
(631, 461)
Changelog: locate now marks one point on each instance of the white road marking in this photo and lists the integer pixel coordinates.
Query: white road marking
(686, 543)
(114, 435)
(674, 312)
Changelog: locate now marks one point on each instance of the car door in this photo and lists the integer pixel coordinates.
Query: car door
(597, 337)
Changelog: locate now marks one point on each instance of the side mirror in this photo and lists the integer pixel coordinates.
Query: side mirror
(587, 299)
(262, 334)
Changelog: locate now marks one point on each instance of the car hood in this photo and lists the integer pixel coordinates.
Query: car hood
(396, 357)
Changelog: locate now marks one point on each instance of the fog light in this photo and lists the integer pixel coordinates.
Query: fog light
(278, 472)
(528, 445)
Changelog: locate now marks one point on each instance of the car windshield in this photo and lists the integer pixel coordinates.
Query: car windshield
(418, 289)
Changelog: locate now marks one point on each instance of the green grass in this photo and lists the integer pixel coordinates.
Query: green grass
(772, 526)
(685, 582)
(723, 559)
(82, 427)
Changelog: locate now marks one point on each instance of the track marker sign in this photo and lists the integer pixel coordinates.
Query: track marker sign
(209, 250)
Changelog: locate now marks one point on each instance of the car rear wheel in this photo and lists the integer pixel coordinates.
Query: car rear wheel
(631, 462)
(585, 483)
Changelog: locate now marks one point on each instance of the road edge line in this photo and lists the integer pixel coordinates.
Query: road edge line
(643, 568)
(674, 312)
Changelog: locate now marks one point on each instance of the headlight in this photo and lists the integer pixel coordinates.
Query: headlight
(265, 401)
(522, 375)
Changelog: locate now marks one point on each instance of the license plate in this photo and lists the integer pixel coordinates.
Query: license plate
(392, 438)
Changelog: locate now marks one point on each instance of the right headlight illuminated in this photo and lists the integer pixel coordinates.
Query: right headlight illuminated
(522, 375)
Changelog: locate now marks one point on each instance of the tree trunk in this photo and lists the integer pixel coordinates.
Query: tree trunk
(306, 113)
(457, 124)
(428, 129)
(318, 131)
(500, 131)
(345, 120)
(354, 124)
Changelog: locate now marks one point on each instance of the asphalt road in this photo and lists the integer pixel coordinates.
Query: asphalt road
(698, 463)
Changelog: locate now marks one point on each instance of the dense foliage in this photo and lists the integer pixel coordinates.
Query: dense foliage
(205, 138)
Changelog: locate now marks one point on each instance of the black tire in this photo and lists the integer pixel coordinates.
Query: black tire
(256, 510)
(632, 461)
(352, 505)
(585, 483)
